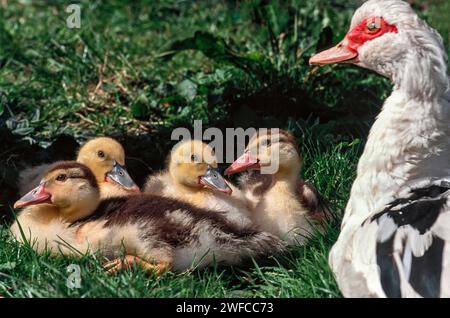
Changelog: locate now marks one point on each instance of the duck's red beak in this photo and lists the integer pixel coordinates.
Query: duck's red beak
(340, 53)
(245, 162)
(35, 196)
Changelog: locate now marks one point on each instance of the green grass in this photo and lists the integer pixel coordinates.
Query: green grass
(137, 69)
(116, 74)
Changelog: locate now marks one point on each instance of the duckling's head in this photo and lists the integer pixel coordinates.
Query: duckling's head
(106, 158)
(68, 187)
(273, 151)
(193, 164)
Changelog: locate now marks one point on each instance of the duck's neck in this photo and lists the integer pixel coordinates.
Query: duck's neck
(193, 195)
(286, 178)
(421, 72)
(183, 189)
(42, 213)
(109, 190)
(409, 139)
(74, 214)
(46, 213)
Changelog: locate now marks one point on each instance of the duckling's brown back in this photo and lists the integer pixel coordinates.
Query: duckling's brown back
(160, 211)
(189, 230)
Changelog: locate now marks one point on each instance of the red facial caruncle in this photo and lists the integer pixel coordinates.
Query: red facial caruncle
(347, 50)
(368, 30)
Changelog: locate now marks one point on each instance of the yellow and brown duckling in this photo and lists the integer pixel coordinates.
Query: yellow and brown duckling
(283, 204)
(67, 192)
(105, 157)
(156, 233)
(192, 176)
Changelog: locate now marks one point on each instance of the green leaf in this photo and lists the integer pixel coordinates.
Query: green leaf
(139, 107)
(7, 266)
(214, 48)
(187, 89)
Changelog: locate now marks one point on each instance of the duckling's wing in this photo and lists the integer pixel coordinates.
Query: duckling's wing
(314, 202)
(412, 241)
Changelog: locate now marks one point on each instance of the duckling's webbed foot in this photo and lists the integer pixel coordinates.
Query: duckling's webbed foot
(130, 261)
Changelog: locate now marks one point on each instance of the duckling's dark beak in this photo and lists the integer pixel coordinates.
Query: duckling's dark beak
(245, 162)
(35, 196)
(214, 180)
(120, 175)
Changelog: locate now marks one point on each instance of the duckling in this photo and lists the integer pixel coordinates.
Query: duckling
(105, 157)
(157, 233)
(282, 204)
(192, 176)
(68, 192)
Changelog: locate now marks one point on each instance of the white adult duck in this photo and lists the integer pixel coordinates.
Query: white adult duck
(395, 238)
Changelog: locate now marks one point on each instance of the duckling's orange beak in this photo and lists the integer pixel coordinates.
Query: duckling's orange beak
(245, 162)
(35, 196)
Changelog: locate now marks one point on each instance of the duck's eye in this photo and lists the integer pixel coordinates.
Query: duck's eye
(62, 177)
(101, 154)
(194, 158)
(372, 26)
(266, 142)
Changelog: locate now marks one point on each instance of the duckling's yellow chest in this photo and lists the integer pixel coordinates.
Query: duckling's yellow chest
(280, 212)
(42, 227)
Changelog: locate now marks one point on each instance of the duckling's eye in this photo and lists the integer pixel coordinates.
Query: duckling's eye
(101, 154)
(62, 177)
(194, 158)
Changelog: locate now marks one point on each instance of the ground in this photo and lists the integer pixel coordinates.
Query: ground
(136, 70)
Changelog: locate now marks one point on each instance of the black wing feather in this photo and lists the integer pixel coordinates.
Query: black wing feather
(417, 211)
